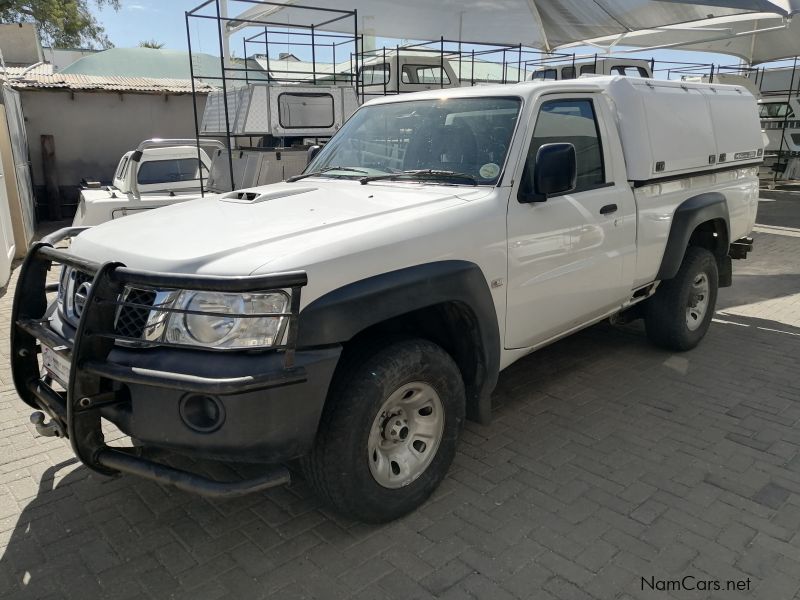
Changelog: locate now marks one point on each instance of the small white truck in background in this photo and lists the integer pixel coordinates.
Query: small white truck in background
(158, 173)
(353, 316)
(390, 73)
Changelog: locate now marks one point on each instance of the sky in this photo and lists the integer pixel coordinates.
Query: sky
(163, 21)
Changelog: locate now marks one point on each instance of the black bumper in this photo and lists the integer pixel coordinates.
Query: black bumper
(266, 404)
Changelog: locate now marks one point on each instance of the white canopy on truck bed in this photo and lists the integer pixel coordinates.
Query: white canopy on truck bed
(671, 128)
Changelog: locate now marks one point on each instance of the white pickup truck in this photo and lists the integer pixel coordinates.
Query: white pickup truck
(354, 316)
(158, 173)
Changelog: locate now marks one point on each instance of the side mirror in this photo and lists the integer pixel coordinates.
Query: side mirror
(555, 171)
(312, 152)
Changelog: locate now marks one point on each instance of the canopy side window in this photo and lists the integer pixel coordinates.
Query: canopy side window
(629, 71)
(302, 110)
(775, 110)
(374, 74)
(545, 74)
(424, 74)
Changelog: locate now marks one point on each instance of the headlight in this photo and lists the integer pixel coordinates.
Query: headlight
(229, 321)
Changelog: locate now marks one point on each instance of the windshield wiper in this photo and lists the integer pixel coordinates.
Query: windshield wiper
(325, 170)
(434, 174)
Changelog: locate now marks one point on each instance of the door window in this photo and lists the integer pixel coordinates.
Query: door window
(571, 121)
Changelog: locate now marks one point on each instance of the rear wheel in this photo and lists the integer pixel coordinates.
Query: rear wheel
(388, 432)
(679, 314)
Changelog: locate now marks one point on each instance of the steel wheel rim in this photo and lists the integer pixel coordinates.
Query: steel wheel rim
(698, 302)
(405, 435)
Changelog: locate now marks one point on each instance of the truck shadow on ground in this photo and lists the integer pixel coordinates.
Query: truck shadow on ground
(90, 536)
(750, 289)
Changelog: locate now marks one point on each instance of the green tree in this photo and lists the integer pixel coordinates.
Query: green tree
(61, 23)
(151, 44)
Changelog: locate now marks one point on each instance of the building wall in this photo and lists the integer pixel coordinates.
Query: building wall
(92, 130)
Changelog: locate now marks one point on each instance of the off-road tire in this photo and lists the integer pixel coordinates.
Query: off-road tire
(338, 468)
(665, 314)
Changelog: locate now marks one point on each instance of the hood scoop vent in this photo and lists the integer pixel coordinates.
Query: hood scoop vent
(253, 197)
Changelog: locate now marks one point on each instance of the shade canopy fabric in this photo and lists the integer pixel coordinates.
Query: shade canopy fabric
(756, 38)
(544, 24)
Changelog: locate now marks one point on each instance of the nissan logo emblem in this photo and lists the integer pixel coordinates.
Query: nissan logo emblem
(80, 297)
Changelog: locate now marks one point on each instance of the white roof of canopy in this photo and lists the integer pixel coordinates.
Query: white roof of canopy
(544, 24)
(757, 38)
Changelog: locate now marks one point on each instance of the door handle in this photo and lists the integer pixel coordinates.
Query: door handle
(608, 209)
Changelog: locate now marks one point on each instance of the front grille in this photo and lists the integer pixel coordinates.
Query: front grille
(80, 277)
(132, 320)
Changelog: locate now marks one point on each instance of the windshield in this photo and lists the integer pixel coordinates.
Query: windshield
(465, 135)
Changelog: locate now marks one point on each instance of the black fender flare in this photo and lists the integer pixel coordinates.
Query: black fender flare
(343, 313)
(690, 213)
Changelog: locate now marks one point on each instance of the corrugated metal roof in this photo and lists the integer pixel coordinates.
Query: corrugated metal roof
(76, 82)
(145, 62)
(38, 69)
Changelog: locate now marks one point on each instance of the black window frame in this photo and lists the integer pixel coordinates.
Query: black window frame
(589, 69)
(620, 70)
(546, 72)
(587, 188)
(570, 69)
(788, 113)
(307, 95)
(418, 67)
(387, 68)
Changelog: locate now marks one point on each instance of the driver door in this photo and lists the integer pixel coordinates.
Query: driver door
(570, 257)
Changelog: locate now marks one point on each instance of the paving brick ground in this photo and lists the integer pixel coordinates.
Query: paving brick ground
(607, 461)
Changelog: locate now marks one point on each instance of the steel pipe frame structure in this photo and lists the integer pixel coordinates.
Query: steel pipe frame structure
(222, 21)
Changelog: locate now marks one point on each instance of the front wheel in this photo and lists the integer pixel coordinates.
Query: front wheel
(679, 314)
(388, 432)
